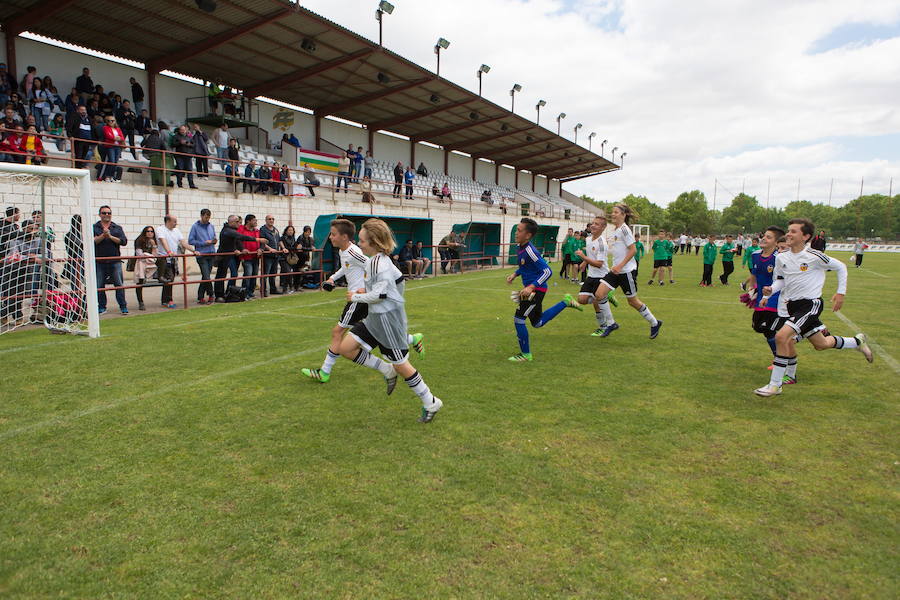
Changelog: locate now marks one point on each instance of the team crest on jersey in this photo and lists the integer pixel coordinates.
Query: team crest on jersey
(347, 264)
(804, 266)
(770, 268)
(522, 262)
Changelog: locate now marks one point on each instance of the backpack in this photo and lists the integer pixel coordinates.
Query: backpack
(234, 293)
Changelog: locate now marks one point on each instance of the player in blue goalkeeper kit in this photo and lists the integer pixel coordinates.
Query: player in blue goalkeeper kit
(535, 273)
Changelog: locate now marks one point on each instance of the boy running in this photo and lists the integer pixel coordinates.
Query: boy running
(353, 264)
(535, 274)
(621, 273)
(595, 258)
(660, 250)
(799, 276)
(762, 268)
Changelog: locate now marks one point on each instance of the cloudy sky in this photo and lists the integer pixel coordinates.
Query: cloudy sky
(757, 94)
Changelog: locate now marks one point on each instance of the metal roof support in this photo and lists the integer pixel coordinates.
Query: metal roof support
(446, 162)
(516, 159)
(474, 162)
(301, 74)
(334, 108)
(488, 138)
(496, 173)
(412, 154)
(164, 62)
(516, 180)
(543, 166)
(372, 141)
(563, 180)
(13, 27)
(414, 116)
(434, 133)
(511, 148)
(318, 122)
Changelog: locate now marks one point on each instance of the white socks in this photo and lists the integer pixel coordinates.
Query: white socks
(417, 385)
(373, 362)
(330, 359)
(645, 312)
(845, 343)
(791, 370)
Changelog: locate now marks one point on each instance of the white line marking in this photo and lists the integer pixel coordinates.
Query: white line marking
(874, 273)
(890, 360)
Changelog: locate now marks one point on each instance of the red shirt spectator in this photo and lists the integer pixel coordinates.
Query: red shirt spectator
(250, 247)
(112, 135)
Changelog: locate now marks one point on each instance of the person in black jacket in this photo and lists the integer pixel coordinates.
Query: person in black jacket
(201, 149)
(79, 128)
(184, 145)
(127, 120)
(818, 242)
(143, 125)
(398, 179)
(137, 94)
(229, 243)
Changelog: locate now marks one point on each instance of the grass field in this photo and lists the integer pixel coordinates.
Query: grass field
(182, 455)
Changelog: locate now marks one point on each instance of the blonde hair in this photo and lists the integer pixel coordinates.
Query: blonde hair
(380, 236)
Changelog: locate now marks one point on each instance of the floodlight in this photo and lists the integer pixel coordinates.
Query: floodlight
(515, 88)
(386, 6)
(542, 103)
(443, 43)
(206, 5)
(484, 69)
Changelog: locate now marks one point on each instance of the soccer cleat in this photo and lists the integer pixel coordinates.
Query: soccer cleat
(391, 383)
(598, 332)
(864, 346)
(650, 282)
(611, 296)
(672, 281)
(521, 357)
(571, 302)
(654, 329)
(609, 329)
(317, 374)
(788, 380)
(768, 390)
(428, 413)
(662, 283)
(418, 345)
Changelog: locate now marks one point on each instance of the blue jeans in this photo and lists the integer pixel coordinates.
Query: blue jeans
(205, 263)
(271, 268)
(110, 270)
(368, 172)
(222, 154)
(112, 156)
(346, 177)
(355, 170)
(138, 107)
(41, 121)
(251, 270)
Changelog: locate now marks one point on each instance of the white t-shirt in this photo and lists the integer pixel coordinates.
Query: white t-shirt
(597, 250)
(353, 267)
(801, 276)
(683, 240)
(220, 138)
(172, 237)
(621, 238)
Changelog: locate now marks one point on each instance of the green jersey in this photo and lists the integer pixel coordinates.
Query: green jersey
(726, 252)
(660, 250)
(638, 250)
(748, 256)
(709, 253)
(670, 248)
(576, 246)
(568, 246)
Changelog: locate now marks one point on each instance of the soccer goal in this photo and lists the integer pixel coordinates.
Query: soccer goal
(47, 274)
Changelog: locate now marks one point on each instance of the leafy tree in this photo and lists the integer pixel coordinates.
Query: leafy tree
(650, 213)
(744, 215)
(689, 212)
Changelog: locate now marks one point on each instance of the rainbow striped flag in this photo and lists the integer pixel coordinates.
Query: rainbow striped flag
(321, 161)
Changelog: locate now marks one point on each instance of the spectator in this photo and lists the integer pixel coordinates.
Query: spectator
(105, 106)
(230, 247)
(9, 233)
(40, 102)
(171, 242)
(212, 95)
(351, 154)
(137, 94)
(221, 137)
(263, 175)
(358, 159)
(486, 197)
(818, 242)
(201, 149)
(93, 108)
(16, 101)
(146, 250)
(8, 84)
(251, 253)
(294, 141)
(108, 239)
(58, 129)
(274, 254)
(310, 180)
(449, 248)
(32, 147)
(113, 139)
(398, 179)
(421, 170)
(84, 84)
(503, 205)
(18, 273)
(275, 175)
(365, 186)
(250, 175)
(234, 157)
(307, 245)
(184, 147)
(345, 170)
(72, 102)
(28, 81)
(419, 255)
(408, 179)
(11, 146)
(435, 190)
(445, 194)
(56, 102)
(368, 165)
(143, 125)
(858, 249)
(153, 148)
(9, 120)
(284, 140)
(127, 120)
(290, 262)
(203, 239)
(405, 258)
(73, 269)
(79, 128)
(100, 149)
(285, 179)
(116, 101)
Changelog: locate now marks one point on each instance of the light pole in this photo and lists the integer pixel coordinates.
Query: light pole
(591, 139)
(538, 108)
(614, 153)
(481, 70)
(512, 94)
(577, 127)
(559, 119)
(383, 7)
(602, 145)
(441, 43)
(622, 159)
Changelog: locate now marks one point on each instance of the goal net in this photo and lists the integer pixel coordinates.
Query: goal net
(47, 273)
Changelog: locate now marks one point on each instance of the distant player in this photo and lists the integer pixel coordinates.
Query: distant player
(352, 268)
(574, 259)
(595, 258)
(762, 268)
(727, 251)
(384, 326)
(747, 260)
(621, 273)
(710, 252)
(638, 255)
(567, 251)
(535, 273)
(670, 243)
(799, 276)
(660, 248)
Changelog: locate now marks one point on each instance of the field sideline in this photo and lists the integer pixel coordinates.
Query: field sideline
(182, 455)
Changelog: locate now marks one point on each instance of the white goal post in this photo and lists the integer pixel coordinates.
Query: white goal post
(26, 186)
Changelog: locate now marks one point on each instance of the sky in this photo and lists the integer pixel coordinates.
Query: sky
(765, 96)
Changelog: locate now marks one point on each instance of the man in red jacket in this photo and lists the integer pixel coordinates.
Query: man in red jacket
(251, 255)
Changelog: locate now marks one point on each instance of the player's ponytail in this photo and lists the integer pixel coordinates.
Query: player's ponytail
(380, 236)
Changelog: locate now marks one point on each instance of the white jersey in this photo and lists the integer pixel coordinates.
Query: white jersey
(801, 275)
(597, 250)
(386, 320)
(683, 240)
(353, 267)
(621, 239)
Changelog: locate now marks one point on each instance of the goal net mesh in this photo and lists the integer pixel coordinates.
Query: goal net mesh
(42, 253)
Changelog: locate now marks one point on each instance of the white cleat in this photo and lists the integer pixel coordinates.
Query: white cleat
(864, 347)
(768, 390)
(428, 413)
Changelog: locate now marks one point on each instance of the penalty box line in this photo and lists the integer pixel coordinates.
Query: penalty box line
(887, 358)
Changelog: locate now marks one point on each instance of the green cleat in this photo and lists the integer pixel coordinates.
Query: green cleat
(520, 357)
(418, 345)
(317, 374)
(571, 302)
(598, 332)
(611, 296)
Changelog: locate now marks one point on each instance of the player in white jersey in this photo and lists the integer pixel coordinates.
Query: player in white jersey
(353, 264)
(621, 271)
(799, 276)
(596, 257)
(385, 325)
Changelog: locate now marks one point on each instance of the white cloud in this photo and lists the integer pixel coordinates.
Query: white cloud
(693, 91)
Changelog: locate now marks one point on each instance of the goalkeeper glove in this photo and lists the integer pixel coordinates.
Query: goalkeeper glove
(328, 286)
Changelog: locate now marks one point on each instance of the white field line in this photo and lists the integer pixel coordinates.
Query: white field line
(215, 377)
(874, 273)
(621, 300)
(887, 358)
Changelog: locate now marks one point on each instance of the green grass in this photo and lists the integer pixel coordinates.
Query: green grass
(182, 455)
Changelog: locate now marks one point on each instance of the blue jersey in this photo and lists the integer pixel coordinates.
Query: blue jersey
(763, 268)
(533, 268)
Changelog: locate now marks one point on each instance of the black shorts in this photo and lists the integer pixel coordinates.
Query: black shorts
(368, 341)
(532, 309)
(625, 281)
(804, 316)
(767, 322)
(669, 262)
(589, 287)
(659, 263)
(354, 312)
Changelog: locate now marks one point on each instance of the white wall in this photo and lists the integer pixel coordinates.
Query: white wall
(507, 177)
(484, 172)
(432, 157)
(460, 165)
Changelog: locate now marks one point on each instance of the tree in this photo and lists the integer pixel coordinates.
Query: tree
(744, 215)
(689, 212)
(649, 213)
